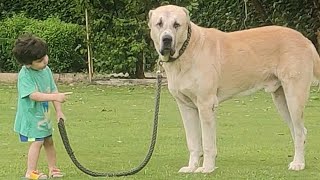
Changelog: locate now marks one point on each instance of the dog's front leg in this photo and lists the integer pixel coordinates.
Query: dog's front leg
(207, 110)
(192, 128)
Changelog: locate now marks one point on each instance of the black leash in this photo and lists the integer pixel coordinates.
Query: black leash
(65, 140)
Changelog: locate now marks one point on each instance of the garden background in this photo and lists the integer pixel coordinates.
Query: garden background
(109, 126)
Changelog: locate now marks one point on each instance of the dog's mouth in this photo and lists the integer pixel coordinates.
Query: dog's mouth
(167, 51)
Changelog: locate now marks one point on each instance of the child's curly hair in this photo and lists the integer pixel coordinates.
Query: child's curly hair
(28, 48)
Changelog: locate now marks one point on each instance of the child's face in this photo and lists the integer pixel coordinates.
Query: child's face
(40, 63)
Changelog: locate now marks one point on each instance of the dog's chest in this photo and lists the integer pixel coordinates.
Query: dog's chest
(182, 87)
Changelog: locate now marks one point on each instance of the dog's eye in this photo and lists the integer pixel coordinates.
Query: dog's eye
(176, 25)
(159, 24)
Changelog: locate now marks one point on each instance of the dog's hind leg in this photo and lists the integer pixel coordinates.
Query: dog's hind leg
(192, 128)
(297, 91)
(280, 102)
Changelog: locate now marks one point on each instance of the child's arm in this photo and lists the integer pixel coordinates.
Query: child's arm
(38, 96)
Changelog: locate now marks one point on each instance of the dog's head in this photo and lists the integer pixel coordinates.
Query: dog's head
(168, 29)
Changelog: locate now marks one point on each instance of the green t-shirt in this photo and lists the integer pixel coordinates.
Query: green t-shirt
(32, 117)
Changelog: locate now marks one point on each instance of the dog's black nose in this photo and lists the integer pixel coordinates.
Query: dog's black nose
(167, 39)
(166, 47)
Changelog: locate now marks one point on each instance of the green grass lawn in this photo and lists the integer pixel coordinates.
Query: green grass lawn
(110, 127)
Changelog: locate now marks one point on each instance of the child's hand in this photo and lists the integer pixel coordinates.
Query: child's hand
(60, 115)
(62, 97)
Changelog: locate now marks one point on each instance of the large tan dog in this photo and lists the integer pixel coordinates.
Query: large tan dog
(205, 67)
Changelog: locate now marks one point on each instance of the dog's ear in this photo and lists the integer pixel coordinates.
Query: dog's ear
(187, 12)
(150, 14)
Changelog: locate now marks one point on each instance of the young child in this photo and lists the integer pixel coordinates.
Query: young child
(36, 88)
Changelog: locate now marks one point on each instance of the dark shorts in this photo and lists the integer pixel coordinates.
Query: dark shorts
(27, 139)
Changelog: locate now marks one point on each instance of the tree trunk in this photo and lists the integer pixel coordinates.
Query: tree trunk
(261, 11)
(140, 67)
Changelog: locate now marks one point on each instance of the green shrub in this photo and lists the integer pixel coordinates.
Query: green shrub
(10, 29)
(119, 49)
(65, 41)
(65, 10)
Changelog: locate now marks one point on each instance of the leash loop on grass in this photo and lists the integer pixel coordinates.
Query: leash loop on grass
(65, 140)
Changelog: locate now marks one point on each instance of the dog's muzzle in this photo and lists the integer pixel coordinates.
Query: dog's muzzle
(166, 47)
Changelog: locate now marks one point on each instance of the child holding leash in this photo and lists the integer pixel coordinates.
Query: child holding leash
(36, 88)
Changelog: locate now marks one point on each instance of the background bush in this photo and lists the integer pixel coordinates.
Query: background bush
(10, 29)
(65, 42)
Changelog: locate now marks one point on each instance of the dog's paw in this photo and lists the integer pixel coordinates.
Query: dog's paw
(205, 170)
(187, 169)
(296, 166)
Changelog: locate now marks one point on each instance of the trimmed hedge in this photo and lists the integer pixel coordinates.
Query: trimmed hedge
(65, 41)
(10, 29)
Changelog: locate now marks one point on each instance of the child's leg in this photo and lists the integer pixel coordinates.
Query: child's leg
(54, 172)
(33, 156)
(50, 152)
